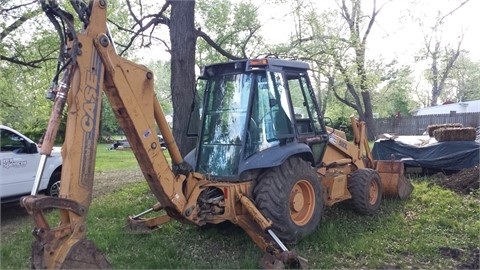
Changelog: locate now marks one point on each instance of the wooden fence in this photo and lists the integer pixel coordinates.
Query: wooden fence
(416, 125)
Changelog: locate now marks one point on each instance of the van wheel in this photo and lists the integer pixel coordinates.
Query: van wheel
(366, 189)
(290, 195)
(53, 188)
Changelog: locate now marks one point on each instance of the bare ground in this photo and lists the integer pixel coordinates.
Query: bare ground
(13, 215)
(463, 182)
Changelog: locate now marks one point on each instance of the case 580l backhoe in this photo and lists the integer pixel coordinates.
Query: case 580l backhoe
(264, 159)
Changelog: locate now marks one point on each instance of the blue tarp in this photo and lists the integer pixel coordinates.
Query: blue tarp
(453, 155)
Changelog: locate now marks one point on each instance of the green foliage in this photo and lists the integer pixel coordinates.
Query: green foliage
(109, 123)
(464, 80)
(22, 88)
(338, 110)
(232, 25)
(162, 72)
(394, 95)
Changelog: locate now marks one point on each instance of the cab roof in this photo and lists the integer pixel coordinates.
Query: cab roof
(253, 64)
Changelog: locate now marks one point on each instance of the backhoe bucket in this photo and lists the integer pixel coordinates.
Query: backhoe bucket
(82, 255)
(394, 182)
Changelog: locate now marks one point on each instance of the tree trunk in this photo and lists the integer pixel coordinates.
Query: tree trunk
(369, 121)
(183, 42)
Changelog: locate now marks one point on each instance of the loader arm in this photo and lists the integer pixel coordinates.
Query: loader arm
(341, 152)
(342, 158)
(93, 66)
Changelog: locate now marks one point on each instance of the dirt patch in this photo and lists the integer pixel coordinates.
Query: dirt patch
(108, 182)
(13, 215)
(463, 182)
(468, 259)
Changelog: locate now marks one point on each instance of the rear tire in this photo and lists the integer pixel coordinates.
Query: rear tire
(53, 188)
(366, 189)
(290, 195)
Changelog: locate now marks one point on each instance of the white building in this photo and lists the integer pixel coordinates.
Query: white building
(452, 108)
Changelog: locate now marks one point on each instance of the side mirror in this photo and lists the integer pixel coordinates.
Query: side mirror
(32, 148)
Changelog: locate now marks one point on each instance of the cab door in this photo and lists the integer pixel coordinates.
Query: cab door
(309, 125)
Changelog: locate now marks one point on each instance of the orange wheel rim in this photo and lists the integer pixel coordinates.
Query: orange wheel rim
(373, 192)
(302, 202)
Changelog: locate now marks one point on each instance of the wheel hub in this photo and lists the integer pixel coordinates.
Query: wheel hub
(297, 201)
(302, 202)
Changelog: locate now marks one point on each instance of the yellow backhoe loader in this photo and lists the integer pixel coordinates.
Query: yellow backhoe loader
(264, 159)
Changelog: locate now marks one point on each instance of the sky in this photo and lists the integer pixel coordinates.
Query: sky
(395, 34)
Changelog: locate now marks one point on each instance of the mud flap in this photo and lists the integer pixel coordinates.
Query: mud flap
(82, 255)
(394, 182)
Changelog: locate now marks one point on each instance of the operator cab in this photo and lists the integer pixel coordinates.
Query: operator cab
(254, 114)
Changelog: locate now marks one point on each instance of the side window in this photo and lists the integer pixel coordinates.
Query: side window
(10, 141)
(303, 103)
(282, 115)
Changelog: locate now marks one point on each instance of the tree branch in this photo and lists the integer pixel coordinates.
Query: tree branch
(6, 10)
(212, 43)
(440, 21)
(17, 23)
(9, 105)
(350, 88)
(32, 64)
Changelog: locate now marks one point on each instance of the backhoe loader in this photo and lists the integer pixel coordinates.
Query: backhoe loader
(264, 159)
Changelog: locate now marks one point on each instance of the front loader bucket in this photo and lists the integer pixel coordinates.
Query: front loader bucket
(394, 182)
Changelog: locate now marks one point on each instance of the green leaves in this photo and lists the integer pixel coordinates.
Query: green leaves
(234, 26)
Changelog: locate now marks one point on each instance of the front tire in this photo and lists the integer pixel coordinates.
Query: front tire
(53, 188)
(290, 195)
(366, 189)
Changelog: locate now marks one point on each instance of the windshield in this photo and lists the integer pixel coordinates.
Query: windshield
(225, 116)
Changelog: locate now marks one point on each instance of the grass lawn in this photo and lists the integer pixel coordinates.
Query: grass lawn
(435, 228)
